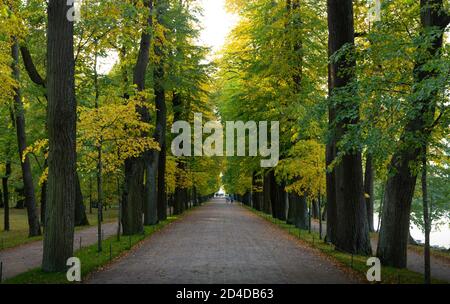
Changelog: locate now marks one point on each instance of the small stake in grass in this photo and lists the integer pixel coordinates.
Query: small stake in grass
(110, 251)
(129, 242)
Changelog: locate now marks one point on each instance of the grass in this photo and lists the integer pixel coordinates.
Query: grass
(356, 263)
(91, 259)
(18, 235)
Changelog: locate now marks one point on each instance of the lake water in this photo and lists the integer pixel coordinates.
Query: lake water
(438, 238)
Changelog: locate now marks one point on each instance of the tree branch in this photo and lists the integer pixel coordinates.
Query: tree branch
(31, 68)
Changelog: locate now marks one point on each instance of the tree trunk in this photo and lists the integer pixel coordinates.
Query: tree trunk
(331, 188)
(426, 219)
(162, 194)
(352, 232)
(274, 194)
(151, 189)
(27, 176)
(134, 193)
(267, 190)
(256, 193)
(319, 203)
(43, 202)
(177, 104)
(61, 125)
(315, 209)
(161, 121)
(399, 192)
(300, 210)
(99, 196)
(282, 213)
(368, 189)
(5, 178)
(80, 210)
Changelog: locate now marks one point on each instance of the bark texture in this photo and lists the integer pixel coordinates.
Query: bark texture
(299, 211)
(399, 191)
(352, 233)
(27, 175)
(61, 125)
(368, 191)
(133, 201)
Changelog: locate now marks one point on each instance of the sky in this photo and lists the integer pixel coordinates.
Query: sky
(217, 23)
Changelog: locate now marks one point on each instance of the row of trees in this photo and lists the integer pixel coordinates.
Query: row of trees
(381, 120)
(86, 123)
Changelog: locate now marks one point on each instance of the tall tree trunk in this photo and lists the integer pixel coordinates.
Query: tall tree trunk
(315, 209)
(151, 189)
(43, 196)
(5, 178)
(352, 232)
(256, 193)
(99, 197)
(426, 219)
(157, 166)
(27, 175)
(134, 193)
(61, 125)
(319, 203)
(329, 157)
(177, 104)
(400, 186)
(281, 197)
(368, 191)
(267, 204)
(298, 203)
(162, 193)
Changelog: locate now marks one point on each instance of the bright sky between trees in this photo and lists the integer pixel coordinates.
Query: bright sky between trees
(216, 22)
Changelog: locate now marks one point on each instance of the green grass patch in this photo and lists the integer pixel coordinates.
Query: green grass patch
(18, 235)
(91, 259)
(357, 263)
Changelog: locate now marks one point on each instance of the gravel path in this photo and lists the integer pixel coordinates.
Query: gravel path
(29, 256)
(222, 243)
(440, 269)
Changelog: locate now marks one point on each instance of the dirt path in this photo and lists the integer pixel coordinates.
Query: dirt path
(439, 268)
(222, 243)
(29, 256)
